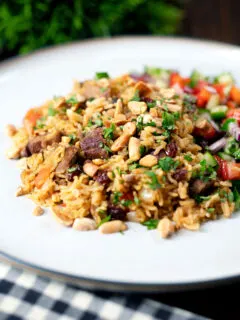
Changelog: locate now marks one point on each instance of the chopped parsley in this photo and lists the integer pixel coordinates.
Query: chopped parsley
(108, 218)
(137, 200)
(210, 210)
(116, 197)
(200, 199)
(206, 172)
(72, 100)
(154, 184)
(108, 133)
(40, 123)
(133, 166)
(72, 138)
(142, 150)
(136, 96)
(52, 112)
(105, 147)
(151, 104)
(90, 123)
(72, 169)
(140, 124)
(168, 121)
(101, 75)
(99, 122)
(226, 196)
(151, 224)
(188, 157)
(126, 203)
(236, 198)
(167, 164)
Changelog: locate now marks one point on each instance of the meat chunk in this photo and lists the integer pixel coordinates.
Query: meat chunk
(198, 186)
(92, 145)
(116, 212)
(180, 174)
(37, 144)
(69, 158)
(91, 90)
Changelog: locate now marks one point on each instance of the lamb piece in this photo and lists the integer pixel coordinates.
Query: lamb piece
(38, 143)
(69, 158)
(198, 186)
(171, 149)
(92, 145)
(91, 90)
(180, 174)
(102, 177)
(116, 212)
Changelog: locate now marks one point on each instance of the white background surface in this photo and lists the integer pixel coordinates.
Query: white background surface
(139, 256)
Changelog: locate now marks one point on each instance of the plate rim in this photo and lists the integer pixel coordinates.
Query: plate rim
(104, 284)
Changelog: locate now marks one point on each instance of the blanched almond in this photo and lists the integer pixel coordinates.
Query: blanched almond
(134, 149)
(84, 224)
(120, 142)
(38, 211)
(129, 128)
(90, 169)
(165, 227)
(137, 107)
(10, 130)
(113, 227)
(148, 161)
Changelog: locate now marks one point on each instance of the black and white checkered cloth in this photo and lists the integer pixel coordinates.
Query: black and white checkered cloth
(24, 295)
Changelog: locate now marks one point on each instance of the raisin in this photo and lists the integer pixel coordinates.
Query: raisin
(180, 174)
(102, 177)
(77, 171)
(117, 213)
(171, 150)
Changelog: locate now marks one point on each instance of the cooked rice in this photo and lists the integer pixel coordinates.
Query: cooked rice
(140, 193)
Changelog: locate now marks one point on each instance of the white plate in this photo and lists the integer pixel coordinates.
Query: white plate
(139, 258)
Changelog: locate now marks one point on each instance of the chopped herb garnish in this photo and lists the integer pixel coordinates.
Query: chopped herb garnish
(142, 150)
(116, 197)
(206, 172)
(133, 166)
(72, 100)
(136, 200)
(210, 210)
(140, 124)
(126, 203)
(108, 133)
(103, 89)
(168, 121)
(90, 123)
(91, 99)
(151, 224)
(236, 198)
(154, 184)
(136, 96)
(105, 147)
(102, 212)
(200, 199)
(151, 104)
(188, 157)
(72, 138)
(72, 169)
(40, 123)
(99, 122)
(100, 75)
(167, 164)
(108, 218)
(52, 112)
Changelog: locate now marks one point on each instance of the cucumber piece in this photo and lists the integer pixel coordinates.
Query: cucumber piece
(225, 156)
(231, 146)
(213, 101)
(219, 112)
(195, 77)
(226, 123)
(210, 160)
(225, 78)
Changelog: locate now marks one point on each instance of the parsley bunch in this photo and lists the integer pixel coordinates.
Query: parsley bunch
(22, 28)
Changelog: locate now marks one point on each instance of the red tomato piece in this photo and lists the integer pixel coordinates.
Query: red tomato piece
(235, 94)
(220, 90)
(175, 78)
(233, 171)
(222, 168)
(234, 113)
(208, 132)
(203, 97)
(231, 104)
(200, 85)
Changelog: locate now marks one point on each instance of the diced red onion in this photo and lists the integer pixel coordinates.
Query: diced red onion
(218, 145)
(210, 89)
(232, 128)
(237, 134)
(178, 89)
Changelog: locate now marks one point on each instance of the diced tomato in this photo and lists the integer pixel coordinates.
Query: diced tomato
(222, 168)
(175, 78)
(220, 90)
(199, 86)
(203, 97)
(234, 113)
(231, 104)
(235, 94)
(208, 132)
(228, 170)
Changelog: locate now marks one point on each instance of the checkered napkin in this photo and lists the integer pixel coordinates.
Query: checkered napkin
(24, 295)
